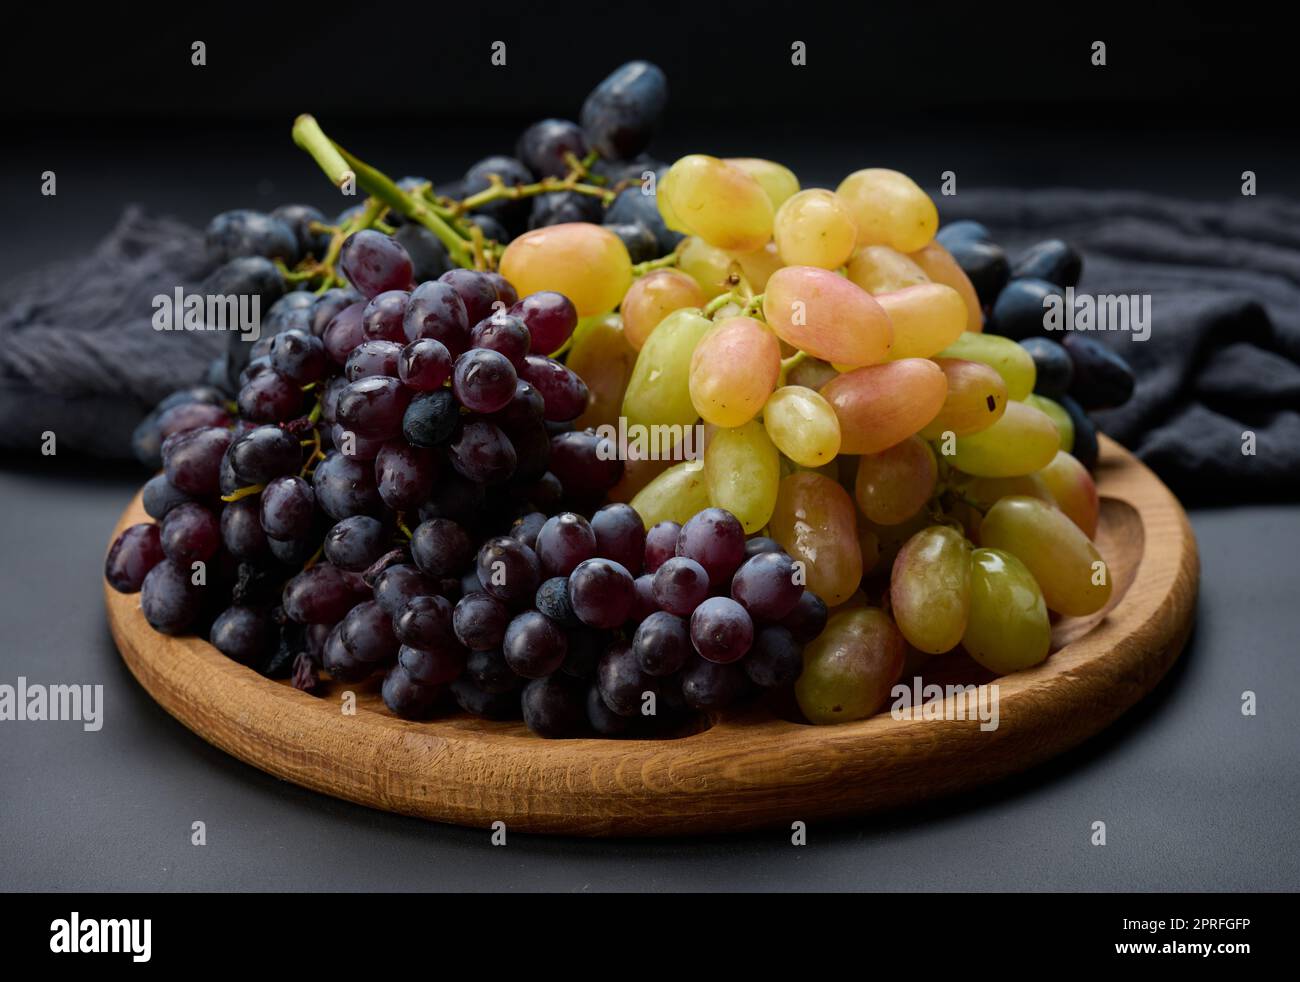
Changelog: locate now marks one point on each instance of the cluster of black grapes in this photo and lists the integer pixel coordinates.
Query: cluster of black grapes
(1078, 372)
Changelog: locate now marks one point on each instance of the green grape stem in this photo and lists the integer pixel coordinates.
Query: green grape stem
(650, 265)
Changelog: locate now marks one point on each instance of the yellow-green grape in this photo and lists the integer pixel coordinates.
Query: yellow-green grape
(929, 589)
(1004, 356)
(707, 266)
(674, 496)
(985, 492)
(1007, 629)
(813, 228)
(822, 313)
(1022, 441)
(743, 471)
(1057, 414)
(926, 319)
(664, 204)
(976, 399)
(849, 670)
(893, 485)
(659, 391)
(815, 524)
(889, 209)
(758, 266)
(779, 182)
(587, 263)
(603, 359)
(1067, 566)
(652, 298)
(811, 373)
(803, 425)
(733, 371)
(1074, 491)
(718, 202)
(938, 264)
(880, 405)
(880, 269)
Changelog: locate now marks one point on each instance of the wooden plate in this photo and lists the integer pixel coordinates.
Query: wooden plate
(743, 771)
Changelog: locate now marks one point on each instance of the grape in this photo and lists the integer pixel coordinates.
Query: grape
(756, 545)
(889, 209)
(555, 707)
(441, 547)
(269, 398)
(552, 599)
(653, 297)
(1102, 379)
(133, 554)
(662, 644)
(298, 356)
(487, 705)
(544, 146)
(550, 318)
(640, 242)
(384, 315)
(534, 645)
(1008, 628)
(159, 497)
(733, 370)
(1019, 310)
(1057, 414)
(192, 460)
(715, 539)
(526, 528)
(768, 586)
(509, 570)
(680, 585)
(345, 487)
(893, 485)
(880, 405)
(709, 685)
(430, 419)
(437, 311)
(622, 684)
(585, 649)
(329, 400)
(777, 181)
(432, 667)
(827, 316)
(480, 452)
(601, 592)
(424, 364)
(504, 334)
(588, 264)
(1070, 572)
(424, 622)
(849, 670)
(357, 542)
(659, 391)
(721, 630)
(407, 698)
(288, 508)
(329, 304)
(807, 619)
(674, 496)
(1073, 490)
(367, 632)
(985, 265)
(926, 319)
(404, 475)
(643, 603)
(710, 268)
(660, 544)
(586, 464)
(483, 380)
(1085, 448)
(353, 446)
(1054, 369)
(563, 542)
(815, 523)
(743, 471)
(233, 234)
(373, 262)
(563, 392)
(372, 358)
(802, 425)
(241, 529)
(880, 269)
(620, 536)
(776, 659)
(476, 291)
(975, 400)
(480, 621)
(620, 114)
(939, 266)
(319, 595)
(488, 670)
(930, 589)
(243, 634)
(429, 258)
(557, 207)
(814, 228)
(1022, 441)
(397, 584)
(344, 332)
(1003, 355)
(291, 552)
(299, 219)
(169, 600)
(601, 718)
(634, 206)
(603, 359)
(1053, 260)
(723, 205)
(374, 407)
(190, 416)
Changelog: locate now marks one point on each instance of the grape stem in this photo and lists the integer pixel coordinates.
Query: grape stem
(498, 190)
(718, 302)
(240, 493)
(650, 265)
(788, 364)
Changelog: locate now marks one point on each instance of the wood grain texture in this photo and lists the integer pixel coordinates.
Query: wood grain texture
(744, 771)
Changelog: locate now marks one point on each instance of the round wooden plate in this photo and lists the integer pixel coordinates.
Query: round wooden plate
(743, 771)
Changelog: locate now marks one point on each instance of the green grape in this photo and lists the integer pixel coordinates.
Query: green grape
(1007, 628)
(976, 399)
(803, 425)
(779, 182)
(743, 472)
(929, 589)
(720, 203)
(937, 263)
(659, 391)
(1073, 490)
(850, 668)
(882, 404)
(758, 266)
(603, 359)
(880, 269)
(889, 209)
(926, 319)
(985, 492)
(673, 496)
(733, 370)
(707, 266)
(1067, 566)
(810, 373)
(813, 228)
(1057, 414)
(822, 313)
(1022, 441)
(1006, 357)
(893, 485)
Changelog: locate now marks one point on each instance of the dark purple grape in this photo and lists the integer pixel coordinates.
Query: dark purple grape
(374, 407)
(560, 207)
(532, 450)
(807, 618)
(601, 592)
(639, 240)
(564, 541)
(319, 595)
(1017, 313)
(545, 146)
(404, 475)
(352, 446)
(384, 315)
(425, 622)
(159, 497)
(602, 719)
(585, 648)
(373, 262)
(767, 586)
(505, 334)
(546, 492)
(133, 553)
(424, 365)
(329, 399)
(243, 232)
(329, 304)
(241, 529)
(550, 318)
(483, 380)
(355, 543)
(622, 683)
(192, 460)
(709, 685)
(299, 218)
(342, 665)
(489, 671)
(259, 365)
(715, 539)
(292, 552)
(680, 585)
(437, 311)
(721, 630)
(399, 583)
(509, 570)
(476, 291)
(407, 698)
(634, 206)
(487, 705)
(429, 258)
(169, 600)
(367, 632)
(524, 409)
(586, 464)
(265, 453)
(243, 634)
(344, 332)
(371, 358)
(1102, 379)
(645, 603)
(555, 707)
(506, 292)
(470, 583)
(760, 544)
(620, 535)
(553, 600)
(662, 644)
(776, 658)
(526, 528)
(621, 113)
(511, 173)
(480, 620)
(481, 452)
(270, 398)
(564, 394)
(534, 645)
(191, 416)
(1053, 260)
(661, 544)
(433, 667)
(1053, 368)
(345, 487)
(454, 497)
(298, 356)
(441, 547)
(431, 418)
(1085, 448)
(288, 508)
(985, 265)
(190, 533)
